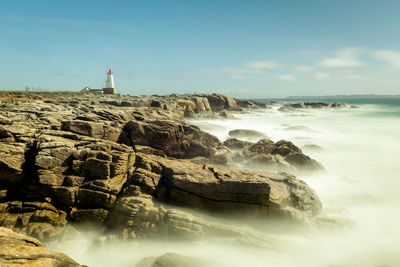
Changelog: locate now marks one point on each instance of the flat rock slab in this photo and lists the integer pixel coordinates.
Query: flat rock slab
(222, 189)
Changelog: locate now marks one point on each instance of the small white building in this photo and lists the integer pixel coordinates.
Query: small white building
(109, 89)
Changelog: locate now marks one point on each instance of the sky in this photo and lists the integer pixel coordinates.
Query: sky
(247, 48)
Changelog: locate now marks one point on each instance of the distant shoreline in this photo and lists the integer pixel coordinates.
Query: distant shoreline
(344, 96)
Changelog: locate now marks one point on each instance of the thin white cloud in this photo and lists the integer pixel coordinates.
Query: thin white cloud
(261, 65)
(322, 76)
(208, 73)
(352, 76)
(286, 77)
(240, 73)
(346, 58)
(301, 68)
(250, 68)
(390, 56)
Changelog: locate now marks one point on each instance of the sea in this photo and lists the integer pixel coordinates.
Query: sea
(359, 147)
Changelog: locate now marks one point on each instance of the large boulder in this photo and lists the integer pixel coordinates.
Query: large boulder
(246, 134)
(267, 155)
(172, 259)
(175, 139)
(140, 216)
(202, 104)
(38, 219)
(219, 102)
(236, 144)
(264, 146)
(226, 190)
(295, 157)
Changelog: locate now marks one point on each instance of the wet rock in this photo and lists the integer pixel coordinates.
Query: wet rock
(222, 159)
(315, 104)
(299, 160)
(246, 134)
(282, 155)
(172, 259)
(235, 144)
(337, 105)
(288, 107)
(264, 146)
(226, 114)
(250, 104)
(284, 147)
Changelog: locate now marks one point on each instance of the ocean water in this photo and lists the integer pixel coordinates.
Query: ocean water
(360, 191)
(361, 155)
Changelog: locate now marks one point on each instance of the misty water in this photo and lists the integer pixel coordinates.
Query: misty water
(360, 190)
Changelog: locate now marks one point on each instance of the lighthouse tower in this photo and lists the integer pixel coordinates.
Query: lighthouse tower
(109, 89)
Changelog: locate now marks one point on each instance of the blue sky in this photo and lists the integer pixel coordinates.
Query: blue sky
(239, 48)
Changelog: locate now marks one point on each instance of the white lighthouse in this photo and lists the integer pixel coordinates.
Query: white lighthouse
(110, 89)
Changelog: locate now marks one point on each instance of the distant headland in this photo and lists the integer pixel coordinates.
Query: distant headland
(343, 96)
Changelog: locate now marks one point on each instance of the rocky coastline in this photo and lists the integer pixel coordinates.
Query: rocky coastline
(131, 167)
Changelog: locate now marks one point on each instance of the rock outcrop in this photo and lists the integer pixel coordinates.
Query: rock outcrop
(219, 189)
(172, 259)
(21, 250)
(128, 165)
(288, 107)
(246, 133)
(176, 139)
(267, 155)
